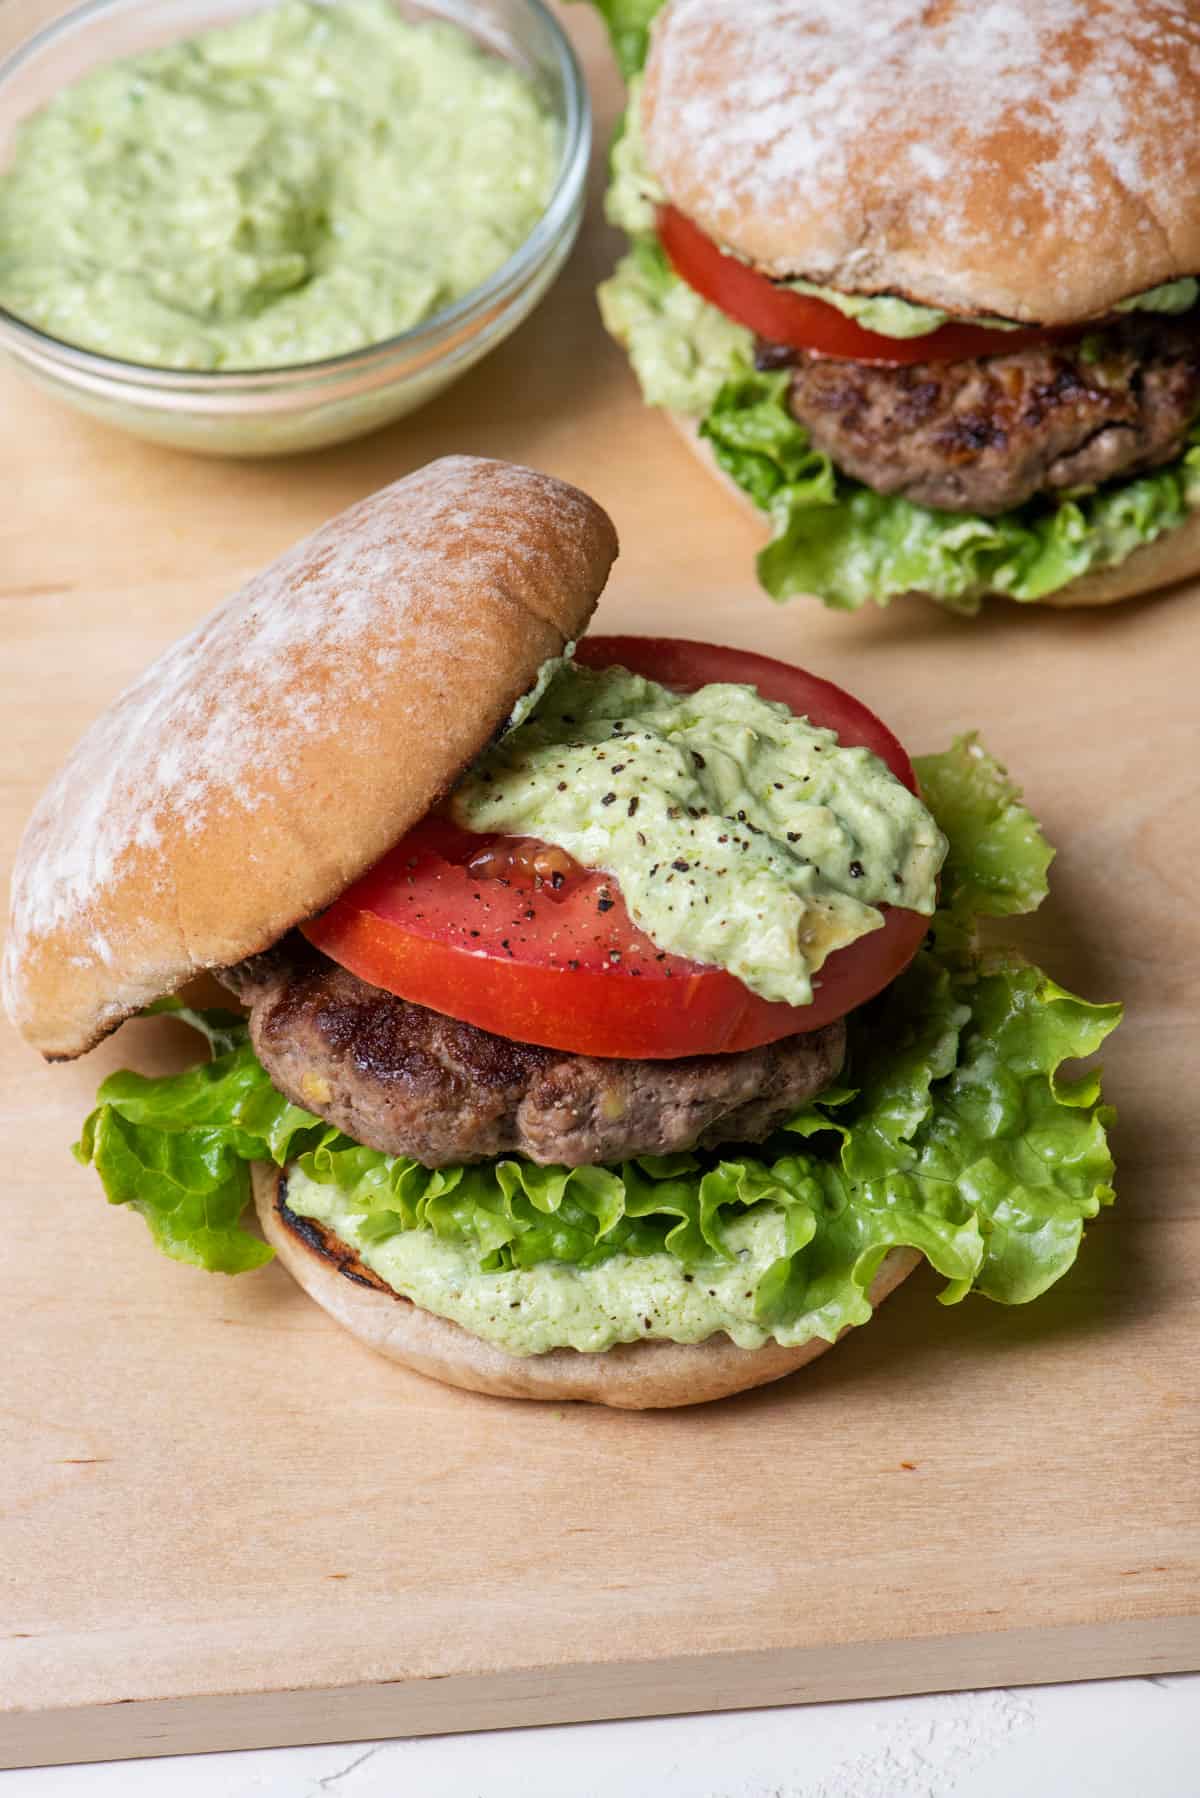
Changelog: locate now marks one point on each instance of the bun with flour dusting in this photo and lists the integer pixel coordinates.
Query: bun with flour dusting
(949, 153)
(345, 687)
(923, 281)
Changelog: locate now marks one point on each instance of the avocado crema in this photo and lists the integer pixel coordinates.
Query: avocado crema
(299, 184)
(529, 1310)
(741, 835)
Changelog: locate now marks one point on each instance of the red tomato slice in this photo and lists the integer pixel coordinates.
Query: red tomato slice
(558, 961)
(806, 323)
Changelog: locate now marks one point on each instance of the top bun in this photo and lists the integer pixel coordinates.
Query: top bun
(1036, 159)
(268, 759)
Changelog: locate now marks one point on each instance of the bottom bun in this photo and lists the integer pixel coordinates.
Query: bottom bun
(633, 1376)
(1171, 558)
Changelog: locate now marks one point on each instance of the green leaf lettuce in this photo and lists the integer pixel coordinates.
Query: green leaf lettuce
(837, 538)
(629, 24)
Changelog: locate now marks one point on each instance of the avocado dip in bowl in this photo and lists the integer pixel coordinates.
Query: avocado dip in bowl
(251, 229)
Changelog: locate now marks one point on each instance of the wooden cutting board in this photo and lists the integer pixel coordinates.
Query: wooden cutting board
(226, 1524)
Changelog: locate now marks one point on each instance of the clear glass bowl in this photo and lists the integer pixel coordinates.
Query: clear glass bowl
(314, 403)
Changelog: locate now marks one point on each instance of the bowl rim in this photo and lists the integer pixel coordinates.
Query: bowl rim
(18, 335)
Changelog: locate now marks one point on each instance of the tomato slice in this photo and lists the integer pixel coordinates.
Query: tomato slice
(806, 323)
(553, 957)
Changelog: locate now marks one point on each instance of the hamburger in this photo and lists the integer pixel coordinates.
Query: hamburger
(920, 283)
(603, 1017)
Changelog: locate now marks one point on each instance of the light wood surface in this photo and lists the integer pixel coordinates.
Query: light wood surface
(224, 1523)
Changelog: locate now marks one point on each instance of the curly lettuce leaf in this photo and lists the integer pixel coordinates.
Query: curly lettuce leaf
(996, 1137)
(629, 24)
(177, 1148)
(998, 858)
(836, 538)
(952, 1130)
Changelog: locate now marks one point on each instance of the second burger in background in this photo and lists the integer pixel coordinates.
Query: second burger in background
(922, 283)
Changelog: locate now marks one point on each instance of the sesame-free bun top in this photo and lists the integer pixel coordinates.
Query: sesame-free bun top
(1034, 159)
(265, 761)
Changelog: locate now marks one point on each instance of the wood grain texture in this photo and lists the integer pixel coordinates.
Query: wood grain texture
(225, 1523)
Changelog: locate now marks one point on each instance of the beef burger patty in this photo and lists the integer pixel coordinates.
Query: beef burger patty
(986, 435)
(408, 1081)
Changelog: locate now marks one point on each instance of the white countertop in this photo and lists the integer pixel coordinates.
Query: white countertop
(1132, 1738)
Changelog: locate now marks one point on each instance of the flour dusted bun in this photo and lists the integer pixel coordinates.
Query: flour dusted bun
(1173, 557)
(635, 1376)
(1038, 159)
(268, 759)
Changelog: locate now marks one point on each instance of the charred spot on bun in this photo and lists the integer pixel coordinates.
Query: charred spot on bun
(616, 1029)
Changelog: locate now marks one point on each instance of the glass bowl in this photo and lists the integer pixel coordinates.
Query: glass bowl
(279, 410)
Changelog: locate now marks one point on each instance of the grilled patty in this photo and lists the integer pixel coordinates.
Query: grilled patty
(409, 1081)
(986, 435)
